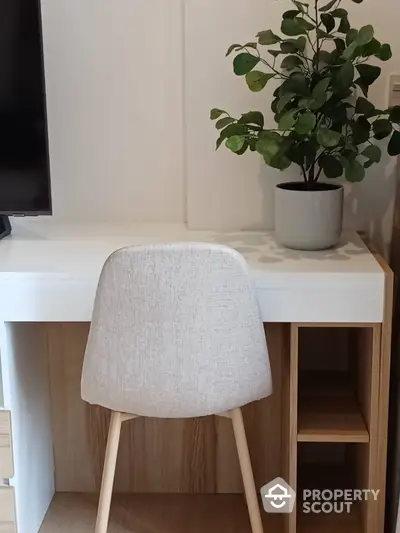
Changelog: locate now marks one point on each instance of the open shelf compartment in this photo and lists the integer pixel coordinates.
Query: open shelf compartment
(328, 475)
(336, 387)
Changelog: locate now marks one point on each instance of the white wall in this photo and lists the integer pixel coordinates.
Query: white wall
(129, 104)
(114, 84)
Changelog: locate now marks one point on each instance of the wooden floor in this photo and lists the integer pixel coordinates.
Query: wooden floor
(155, 514)
(177, 514)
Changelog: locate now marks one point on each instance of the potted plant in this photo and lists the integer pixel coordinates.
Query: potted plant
(325, 123)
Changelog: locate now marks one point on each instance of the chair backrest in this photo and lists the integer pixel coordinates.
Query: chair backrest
(176, 332)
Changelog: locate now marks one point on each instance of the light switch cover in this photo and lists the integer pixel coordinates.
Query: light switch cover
(394, 92)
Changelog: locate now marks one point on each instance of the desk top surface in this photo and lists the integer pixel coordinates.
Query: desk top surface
(40, 249)
(38, 246)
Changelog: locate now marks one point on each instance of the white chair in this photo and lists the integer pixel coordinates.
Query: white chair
(176, 333)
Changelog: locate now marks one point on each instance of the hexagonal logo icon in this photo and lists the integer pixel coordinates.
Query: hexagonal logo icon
(278, 497)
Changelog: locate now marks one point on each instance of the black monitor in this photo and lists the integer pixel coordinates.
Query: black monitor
(24, 158)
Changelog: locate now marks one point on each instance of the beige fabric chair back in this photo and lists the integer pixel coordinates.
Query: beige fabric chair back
(176, 332)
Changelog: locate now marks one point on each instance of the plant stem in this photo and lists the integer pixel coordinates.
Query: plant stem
(273, 69)
(311, 173)
(318, 44)
(303, 171)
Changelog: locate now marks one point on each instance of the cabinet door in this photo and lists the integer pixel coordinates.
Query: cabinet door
(6, 455)
(7, 510)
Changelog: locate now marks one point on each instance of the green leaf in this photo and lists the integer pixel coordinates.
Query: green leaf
(350, 50)
(306, 103)
(394, 144)
(289, 46)
(297, 83)
(216, 113)
(361, 129)
(251, 45)
(369, 73)
(223, 122)
(257, 80)
(344, 26)
(372, 48)
(332, 167)
(252, 117)
(244, 148)
(284, 100)
(351, 147)
(291, 62)
(230, 131)
(328, 138)
(235, 143)
(301, 43)
(267, 38)
(368, 164)
(268, 146)
(354, 171)
(280, 162)
(321, 88)
(373, 152)
(351, 36)
(328, 6)
(219, 142)
(340, 45)
(288, 120)
(382, 128)
(292, 46)
(232, 48)
(323, 56)
(307, 26)
(364, 107)
(346, 75)
(365, 35)
(385, 53)
(319, 102)
(340, 13)
(291, 27)
(244, 63)
(328, 21)
(306, 123)
(395, 114)
(363, 86)
(291, 14)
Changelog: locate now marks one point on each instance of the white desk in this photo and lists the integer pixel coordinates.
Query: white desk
(49, 274)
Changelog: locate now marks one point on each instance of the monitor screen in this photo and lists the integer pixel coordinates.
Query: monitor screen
(24, 161)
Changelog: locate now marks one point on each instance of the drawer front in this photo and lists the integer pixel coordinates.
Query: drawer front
(7, 510)
(6, 454)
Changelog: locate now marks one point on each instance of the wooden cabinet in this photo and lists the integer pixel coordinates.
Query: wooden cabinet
(7, 510)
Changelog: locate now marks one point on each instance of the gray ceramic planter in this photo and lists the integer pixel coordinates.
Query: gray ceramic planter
(308, 219)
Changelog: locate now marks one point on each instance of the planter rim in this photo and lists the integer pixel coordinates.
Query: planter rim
(301, 186)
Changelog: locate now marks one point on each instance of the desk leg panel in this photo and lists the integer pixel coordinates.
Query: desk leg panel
(25, 376)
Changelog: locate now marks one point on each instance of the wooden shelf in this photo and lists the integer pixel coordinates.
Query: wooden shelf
(331, 419)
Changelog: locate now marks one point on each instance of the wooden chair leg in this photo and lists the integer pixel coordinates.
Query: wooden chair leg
(107, 482)
(247, 472)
